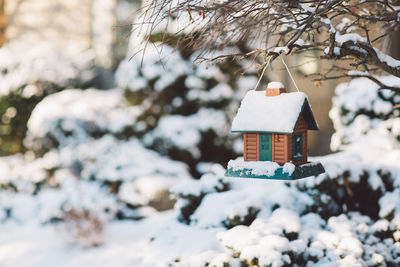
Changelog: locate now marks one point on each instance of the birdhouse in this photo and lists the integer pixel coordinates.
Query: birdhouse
(274, 126)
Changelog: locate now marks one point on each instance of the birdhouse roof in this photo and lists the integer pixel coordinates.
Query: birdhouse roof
(273, 114)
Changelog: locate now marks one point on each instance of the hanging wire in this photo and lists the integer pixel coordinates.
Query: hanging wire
(262, 74)
(287, 68)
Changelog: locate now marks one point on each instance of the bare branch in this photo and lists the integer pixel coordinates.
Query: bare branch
(345, 30)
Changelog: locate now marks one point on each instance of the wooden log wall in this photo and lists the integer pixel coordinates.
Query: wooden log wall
(282, 145)
(301, 127)
(279, 148)
(251, 146)
(289, 147)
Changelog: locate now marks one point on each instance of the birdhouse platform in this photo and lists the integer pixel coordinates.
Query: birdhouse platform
(271, 170)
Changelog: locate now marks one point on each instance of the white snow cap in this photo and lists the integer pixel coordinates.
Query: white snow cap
(259, 113)
(275, 85)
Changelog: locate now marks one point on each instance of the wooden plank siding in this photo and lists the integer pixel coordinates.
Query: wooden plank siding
(279, 151)
(282, 145)
(289, 147)
(251, 146)
(301, 127)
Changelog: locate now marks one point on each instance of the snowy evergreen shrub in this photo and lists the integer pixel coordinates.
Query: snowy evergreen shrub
(89, 133)
(25, 196)
(72, 117)
(43, 68)
(27, 74)
(138, 176)
(360, 106)
(322, 220)
(240, 201)
(190, 193)
(348, 216)
(345, 240)
(186, 107)
(130, 180)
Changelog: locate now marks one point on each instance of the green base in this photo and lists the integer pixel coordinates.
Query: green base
(301, 171)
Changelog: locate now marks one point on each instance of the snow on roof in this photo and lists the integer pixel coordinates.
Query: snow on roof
(259, 113)
(275, 85)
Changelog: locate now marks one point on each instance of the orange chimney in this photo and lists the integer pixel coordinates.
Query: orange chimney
(275, 88)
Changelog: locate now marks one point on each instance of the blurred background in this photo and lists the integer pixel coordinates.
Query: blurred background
(92, 24)
(125, 152)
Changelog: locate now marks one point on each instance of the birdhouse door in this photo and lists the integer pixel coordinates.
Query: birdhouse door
(265, 148)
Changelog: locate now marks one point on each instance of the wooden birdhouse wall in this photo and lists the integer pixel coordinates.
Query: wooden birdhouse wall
(282, 146)
(279, 148)
(301, 128)
(250, 146)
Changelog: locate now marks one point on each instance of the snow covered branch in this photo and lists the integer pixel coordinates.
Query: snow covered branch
(344, 30)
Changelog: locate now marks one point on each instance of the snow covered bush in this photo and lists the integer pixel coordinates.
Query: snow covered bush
(43, 68)
(89, 132)
(138, 176)
(37, 193)
(72, 117)
(131, 181)
(186, 108)
(345, 240)
(190, 193)
(27, 74)
(360, 107)
(348, 216)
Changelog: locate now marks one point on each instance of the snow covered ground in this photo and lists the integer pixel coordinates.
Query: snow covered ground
(125, 244)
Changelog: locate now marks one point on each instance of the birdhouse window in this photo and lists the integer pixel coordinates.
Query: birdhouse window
(297, 146)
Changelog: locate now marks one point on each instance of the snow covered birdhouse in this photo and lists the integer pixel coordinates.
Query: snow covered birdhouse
(274, 126)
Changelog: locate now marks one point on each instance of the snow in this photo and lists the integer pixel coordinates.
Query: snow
(336, 51)
(225, 208)
(281, 49)
(353, 37)
(356, 99)
(159, 63)
(275, 85)
(255, 241)
(255, 167)
(44, 247)
(328, 23)
(240, 237)
(71, 116)
(41, 63)
(230, 205)
(387, 59)
(288, 168)
(260, 113)
(184, 132)
(144, 175)
(307, 8)
(208, 183)
(217, 93)
(389, 203)
(299, 42)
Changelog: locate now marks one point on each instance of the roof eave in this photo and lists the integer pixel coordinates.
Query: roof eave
(311, 125)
